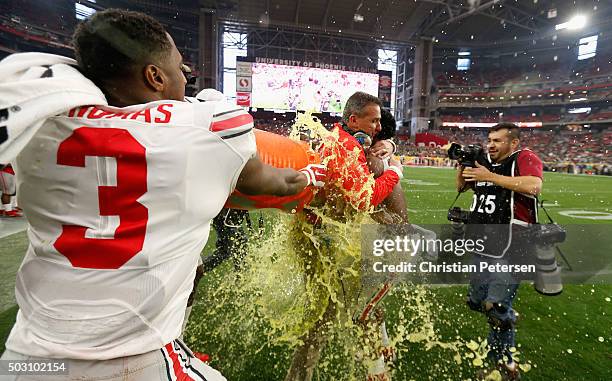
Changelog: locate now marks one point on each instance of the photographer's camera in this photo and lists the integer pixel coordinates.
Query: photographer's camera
(468, 155)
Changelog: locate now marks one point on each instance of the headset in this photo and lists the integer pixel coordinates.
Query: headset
(364, 139)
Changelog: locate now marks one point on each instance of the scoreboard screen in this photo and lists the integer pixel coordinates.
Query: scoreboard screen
(282, 87)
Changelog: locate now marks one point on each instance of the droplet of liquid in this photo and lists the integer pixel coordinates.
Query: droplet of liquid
(525, 367)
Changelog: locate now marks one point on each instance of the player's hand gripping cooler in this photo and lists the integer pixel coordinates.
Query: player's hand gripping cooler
(281, 152)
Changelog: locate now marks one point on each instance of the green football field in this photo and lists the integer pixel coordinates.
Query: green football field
(565, 337)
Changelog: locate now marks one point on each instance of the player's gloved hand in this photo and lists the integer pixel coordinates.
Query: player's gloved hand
(315, 174)
(396, 167)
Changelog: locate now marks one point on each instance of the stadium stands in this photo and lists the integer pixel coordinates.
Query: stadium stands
(567, 151)
(21, 35)
(548, 118)
(537, 78)
(541, 94)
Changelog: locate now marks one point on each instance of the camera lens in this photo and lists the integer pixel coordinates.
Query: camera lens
(454, 151)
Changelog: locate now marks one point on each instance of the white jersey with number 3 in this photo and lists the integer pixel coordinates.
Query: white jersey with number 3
(119, 202)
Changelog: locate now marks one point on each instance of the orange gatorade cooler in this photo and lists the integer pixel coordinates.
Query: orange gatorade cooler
(281, 152)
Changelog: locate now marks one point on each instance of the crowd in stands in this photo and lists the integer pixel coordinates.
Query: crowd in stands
(556, 83)
(17, 32)
(553, 117)
(556, 96)
(593, 72)
(602, 115)
(282, 123)
(562, 151)
(280, 127)
(17, 35)
(495, 118)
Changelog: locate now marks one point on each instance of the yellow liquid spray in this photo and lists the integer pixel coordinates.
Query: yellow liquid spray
(298, 278)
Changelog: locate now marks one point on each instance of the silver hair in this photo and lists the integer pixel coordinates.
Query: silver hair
(356, 104)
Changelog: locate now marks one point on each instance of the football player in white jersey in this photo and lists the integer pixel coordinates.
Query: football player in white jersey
(119, 199)
(7, 191)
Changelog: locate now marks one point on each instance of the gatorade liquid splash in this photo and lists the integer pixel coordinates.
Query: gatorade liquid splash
(290, 313)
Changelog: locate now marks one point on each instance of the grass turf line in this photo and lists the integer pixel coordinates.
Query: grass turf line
(549, 326)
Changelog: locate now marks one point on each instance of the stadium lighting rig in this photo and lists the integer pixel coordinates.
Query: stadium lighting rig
(576, 22)
(579, 110)
(358, 17)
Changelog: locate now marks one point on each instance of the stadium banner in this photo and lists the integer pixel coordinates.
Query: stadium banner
(429, 140)
(243, 84)
(418, 125)
(243, 68)
(311, 64)
(243, 99)
(385, 83)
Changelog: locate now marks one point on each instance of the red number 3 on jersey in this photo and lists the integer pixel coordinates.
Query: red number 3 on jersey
(120, 200)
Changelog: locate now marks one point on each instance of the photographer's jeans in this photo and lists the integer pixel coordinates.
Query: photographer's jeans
(493, 294)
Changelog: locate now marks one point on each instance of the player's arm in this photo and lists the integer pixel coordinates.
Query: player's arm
(384, 217)
(383, 148)
(376, 165)
(394, 208)
(523, 184)
(396, 204)
(258, 178)
(383, 185)
(235, 127)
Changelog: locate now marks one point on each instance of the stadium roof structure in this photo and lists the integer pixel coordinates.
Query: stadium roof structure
(450, 22)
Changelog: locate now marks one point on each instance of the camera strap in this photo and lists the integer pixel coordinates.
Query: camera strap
(540, 203)
(455, 200)
(463, 189)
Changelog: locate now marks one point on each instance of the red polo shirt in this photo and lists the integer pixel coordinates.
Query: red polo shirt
(353, 176)
(527, 164)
